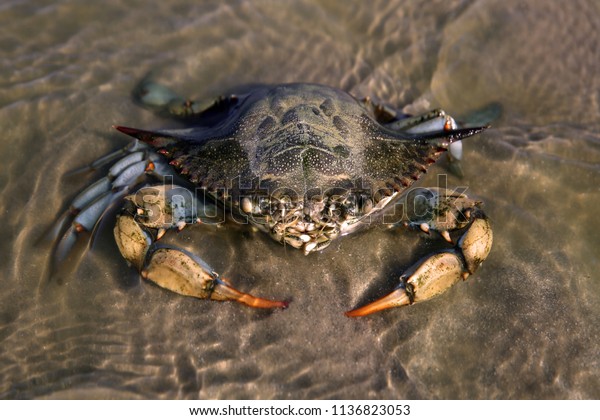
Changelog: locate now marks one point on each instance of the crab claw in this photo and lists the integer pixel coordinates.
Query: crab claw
(430, 277)
(181, 272)
(435, 274)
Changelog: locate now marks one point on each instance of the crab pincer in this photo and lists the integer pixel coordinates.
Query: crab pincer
(429, 278)
(435, 274)
(187, 274)
(145, 218)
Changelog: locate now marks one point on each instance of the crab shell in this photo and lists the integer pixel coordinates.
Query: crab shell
(305, 163)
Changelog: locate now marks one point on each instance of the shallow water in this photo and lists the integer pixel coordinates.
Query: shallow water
(527, 325)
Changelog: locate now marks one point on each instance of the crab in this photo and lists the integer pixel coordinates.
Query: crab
(304, 163)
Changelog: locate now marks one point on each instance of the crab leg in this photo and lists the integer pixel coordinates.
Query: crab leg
(161, 99)
(434, 120)
(164, 101)
(437, 121)
(90, 194)
(132, 147)
(89, 206)
(80, 202)
(84, 221)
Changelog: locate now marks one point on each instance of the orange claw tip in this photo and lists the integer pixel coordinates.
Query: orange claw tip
(397, 298)
(256, 302)
(223, 291)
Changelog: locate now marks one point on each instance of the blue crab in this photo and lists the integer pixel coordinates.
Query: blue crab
(304, 163)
